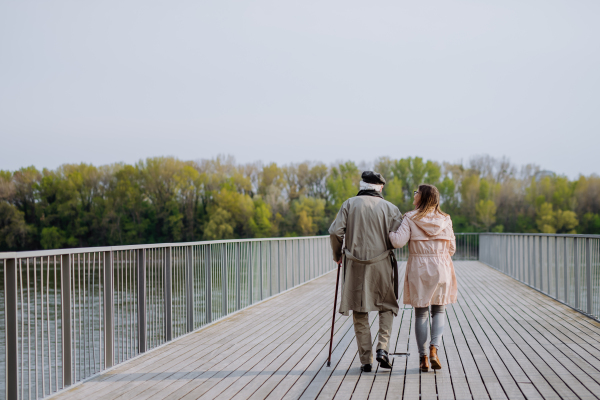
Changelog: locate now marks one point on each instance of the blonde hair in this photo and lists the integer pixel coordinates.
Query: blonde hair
(429, 202)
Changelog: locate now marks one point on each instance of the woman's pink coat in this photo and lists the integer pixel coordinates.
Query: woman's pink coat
(429, 277)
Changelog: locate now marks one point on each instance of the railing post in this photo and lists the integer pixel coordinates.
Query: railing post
(533, 263)
(566, 269)
(238, 288)
(511, 243)
(548, 261)
(271, 268)
(168, 295)
(576, 266)
(141, 300)
(260, 272)
(208, 274)
(468, 246)
(109, 316)
(251, 272)
(300, 280)
(189, 288)
(223, 280)
(556, 266)
(527, 255)
(67, 361)
(541, 264)
(588, 275)
(278, 267)
(12, 341)
(304, 259)
(519, 258)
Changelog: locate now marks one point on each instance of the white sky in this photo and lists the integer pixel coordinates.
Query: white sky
(288, 81)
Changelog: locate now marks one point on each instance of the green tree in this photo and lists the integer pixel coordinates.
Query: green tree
(52, 238)
(260, 223)
(486, 213)
(219, 225)
(308, 214)
(392, 191)
(14, 232)
(343, 183)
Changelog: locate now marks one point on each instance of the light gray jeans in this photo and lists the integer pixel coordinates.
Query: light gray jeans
(422, 322)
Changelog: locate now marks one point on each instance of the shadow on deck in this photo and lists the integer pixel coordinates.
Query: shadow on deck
(502, 340)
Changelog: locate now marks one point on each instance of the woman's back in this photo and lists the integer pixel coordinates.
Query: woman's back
(430, 277)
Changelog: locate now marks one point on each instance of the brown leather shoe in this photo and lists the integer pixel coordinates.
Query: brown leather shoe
(424, 365)
(435, 361)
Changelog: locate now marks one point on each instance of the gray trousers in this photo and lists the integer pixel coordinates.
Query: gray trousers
(362, 329)
(437, 326)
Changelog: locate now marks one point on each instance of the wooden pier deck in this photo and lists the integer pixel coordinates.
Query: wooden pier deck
(502, 340)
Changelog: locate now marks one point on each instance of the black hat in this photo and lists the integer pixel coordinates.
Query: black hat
(373, 178)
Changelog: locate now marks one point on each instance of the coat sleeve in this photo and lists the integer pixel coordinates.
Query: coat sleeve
(337, 231)
(453, 241)
(400, 237)
(396, 220)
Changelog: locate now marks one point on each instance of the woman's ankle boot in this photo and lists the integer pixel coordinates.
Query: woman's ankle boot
(435, 361)
(424, 364)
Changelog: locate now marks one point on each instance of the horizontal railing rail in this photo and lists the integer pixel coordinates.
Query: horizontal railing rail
(565, 267)
(71, 313)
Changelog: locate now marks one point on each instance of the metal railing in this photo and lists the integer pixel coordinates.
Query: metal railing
(69, 314)
(565, 267)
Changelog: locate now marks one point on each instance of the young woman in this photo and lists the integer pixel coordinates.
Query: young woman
(429, 279)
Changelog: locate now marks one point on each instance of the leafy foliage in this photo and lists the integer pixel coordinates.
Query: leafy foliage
(164, 199)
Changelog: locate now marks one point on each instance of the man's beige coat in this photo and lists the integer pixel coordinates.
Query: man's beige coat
(365, 222)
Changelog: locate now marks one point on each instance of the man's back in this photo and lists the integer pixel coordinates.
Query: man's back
(365, 222)
(370, 272)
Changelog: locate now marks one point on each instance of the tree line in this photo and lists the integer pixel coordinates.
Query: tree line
(165, 199)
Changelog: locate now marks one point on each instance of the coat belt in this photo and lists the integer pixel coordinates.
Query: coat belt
(382, 256)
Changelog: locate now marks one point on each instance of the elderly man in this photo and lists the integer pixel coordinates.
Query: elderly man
(360, 233)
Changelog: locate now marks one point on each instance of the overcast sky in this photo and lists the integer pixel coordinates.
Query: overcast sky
(289, 81)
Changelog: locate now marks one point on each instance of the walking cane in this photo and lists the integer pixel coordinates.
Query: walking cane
(337, 281)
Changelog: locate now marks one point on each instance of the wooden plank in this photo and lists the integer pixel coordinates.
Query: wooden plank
(521, 358)
(311, 382)
(194, 384)
(317, 355)
(569, 370)
(366, 379)
(412, 378)
(525, 342)
(522, 385)
(287, 347)
(460, 385)
(353, 374)
(166, 370)
(478, 388)
(428, 389)
(382, 376)
(443, 379)
(395, 388)
(334, 378)
(505, 384)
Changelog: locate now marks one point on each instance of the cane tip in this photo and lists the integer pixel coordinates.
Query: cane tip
(329, 363)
